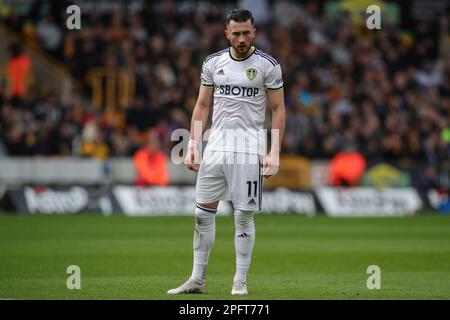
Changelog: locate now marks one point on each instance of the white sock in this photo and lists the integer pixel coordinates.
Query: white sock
(204, 236)
(243, 242)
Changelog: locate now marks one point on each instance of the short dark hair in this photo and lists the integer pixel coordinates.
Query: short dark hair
(240, 15)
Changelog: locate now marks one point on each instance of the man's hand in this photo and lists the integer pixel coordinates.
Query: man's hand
(192, 157)
(271, 165)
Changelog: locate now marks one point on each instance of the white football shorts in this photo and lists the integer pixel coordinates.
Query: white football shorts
(233, 176)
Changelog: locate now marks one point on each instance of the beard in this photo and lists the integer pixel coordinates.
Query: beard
(243, 49)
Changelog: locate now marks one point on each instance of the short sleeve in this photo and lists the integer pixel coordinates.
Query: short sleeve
(206, 76)
(274, 79)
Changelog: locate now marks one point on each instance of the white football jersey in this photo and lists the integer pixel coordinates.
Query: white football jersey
(240, 98)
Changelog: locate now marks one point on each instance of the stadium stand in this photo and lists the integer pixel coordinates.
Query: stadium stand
(385, 92)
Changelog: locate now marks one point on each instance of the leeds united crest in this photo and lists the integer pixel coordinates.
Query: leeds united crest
(251, 73)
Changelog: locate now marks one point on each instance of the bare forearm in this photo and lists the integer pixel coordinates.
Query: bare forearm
(278, 124)
(198, 121)
(200, 113)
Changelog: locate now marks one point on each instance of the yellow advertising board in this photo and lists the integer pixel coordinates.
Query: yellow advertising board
(294, 173)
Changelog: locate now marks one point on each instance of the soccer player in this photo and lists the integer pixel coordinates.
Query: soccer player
(240, 80)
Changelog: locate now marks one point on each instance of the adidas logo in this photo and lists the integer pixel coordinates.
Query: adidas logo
(252, 202)
(243, 235)
(220, 72)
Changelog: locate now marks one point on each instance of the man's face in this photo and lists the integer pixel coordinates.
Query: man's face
(241, 35)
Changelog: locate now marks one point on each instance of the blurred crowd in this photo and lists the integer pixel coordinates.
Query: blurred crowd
(382, 92)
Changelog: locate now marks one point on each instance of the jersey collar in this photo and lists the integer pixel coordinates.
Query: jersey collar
(231, 56)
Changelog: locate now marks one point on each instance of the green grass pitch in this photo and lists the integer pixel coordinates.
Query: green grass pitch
(294, 257)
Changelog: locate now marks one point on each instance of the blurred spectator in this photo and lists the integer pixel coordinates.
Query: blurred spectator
(426, 179)
(97, 149)
(93, 142)
(60, 140)
(429, 75)
(286, 12)
(50, 34)
(141, 116)
(260, 9)
(151, 163)
(19, 71)
(347, 168)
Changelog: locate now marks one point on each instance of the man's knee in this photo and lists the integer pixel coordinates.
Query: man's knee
(243, 219)
(204, 218)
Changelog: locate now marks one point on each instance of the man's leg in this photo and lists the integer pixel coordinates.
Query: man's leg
(245, 183)
(244, 241)
(204, 236)
(210, 188)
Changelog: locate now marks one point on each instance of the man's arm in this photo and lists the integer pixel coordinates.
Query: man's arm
(201, 112)
(275, 101)
(198, 123)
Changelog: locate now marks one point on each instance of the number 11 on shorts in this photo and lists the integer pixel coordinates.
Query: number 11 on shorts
(249, 184)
